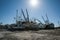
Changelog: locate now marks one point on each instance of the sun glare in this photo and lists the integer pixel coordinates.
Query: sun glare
(34, 3)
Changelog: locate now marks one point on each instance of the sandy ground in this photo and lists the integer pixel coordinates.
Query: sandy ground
(30, 35)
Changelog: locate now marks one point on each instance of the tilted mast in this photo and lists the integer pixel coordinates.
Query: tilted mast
(47, 19)
(58, 23)
(27, 15)
(43, 18)
(16, 16)
(23, 14)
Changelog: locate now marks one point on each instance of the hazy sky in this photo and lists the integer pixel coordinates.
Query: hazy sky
(8, 10)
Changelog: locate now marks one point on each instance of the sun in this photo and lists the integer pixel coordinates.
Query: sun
(34, 3)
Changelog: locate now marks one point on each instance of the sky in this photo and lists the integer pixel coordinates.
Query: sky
(8, 10)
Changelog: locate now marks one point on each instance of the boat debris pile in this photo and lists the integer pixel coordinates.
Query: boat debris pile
(26, 24)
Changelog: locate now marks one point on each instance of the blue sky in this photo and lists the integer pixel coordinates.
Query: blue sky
(8, 10)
